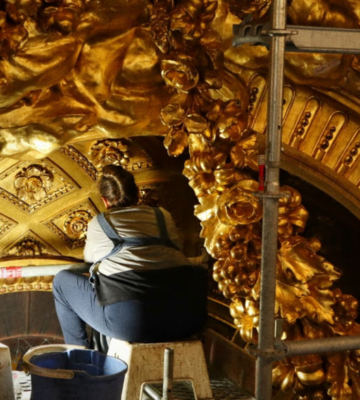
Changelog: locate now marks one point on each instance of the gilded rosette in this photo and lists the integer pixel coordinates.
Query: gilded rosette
(33, 183)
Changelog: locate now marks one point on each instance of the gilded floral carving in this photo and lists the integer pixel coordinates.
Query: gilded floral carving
(106, 152)
(76, 224)
(221, 169)
(29, 248)
(33, 183)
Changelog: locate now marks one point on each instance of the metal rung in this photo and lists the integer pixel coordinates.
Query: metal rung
(302, 39)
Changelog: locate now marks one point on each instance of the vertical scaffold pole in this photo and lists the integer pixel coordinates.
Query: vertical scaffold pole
(263, 387)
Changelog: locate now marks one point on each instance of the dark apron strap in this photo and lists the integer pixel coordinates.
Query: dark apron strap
(113, 236)
(108, 229)
(120, 242)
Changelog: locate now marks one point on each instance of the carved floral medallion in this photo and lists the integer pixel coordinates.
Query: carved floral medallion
(33, 183)
(105, 152)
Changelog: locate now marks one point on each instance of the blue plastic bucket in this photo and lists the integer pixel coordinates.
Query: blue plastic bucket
(77, 375)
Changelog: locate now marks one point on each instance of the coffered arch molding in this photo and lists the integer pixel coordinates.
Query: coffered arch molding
(319, 175)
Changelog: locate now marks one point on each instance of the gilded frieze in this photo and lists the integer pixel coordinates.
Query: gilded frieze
(328, 137)
(28, 245)
(303, 125)
(93, 155)
(11, 285)
(350, 155)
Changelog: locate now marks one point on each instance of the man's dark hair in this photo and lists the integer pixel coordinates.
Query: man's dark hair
(118, 187)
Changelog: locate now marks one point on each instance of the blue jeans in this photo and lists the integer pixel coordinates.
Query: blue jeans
(153, 320)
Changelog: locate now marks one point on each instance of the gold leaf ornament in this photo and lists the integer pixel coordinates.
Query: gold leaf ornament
(346, 311)
(299, 372)
(195, 123)
(292, 215)
(29, 247)
(33, 183)
(63, 19)
(318, 306)
(338, 376)
(246, 319)
(257, 7)
(212, 79)
(245, 152)
(76, 224)
(159, 24)
(180, 74)
(299, 259)
(238, 205)
(227, 176)
(12, 37)
(176, 141)
(199, 162)
(219, 243)
(228, 125)
(182, 21)
(283, 375)
(107, 152)
(172, 114)
(203, 184)
(199, 170)
(190, 18)
(288, 303)
(205, 210)
(210, 39)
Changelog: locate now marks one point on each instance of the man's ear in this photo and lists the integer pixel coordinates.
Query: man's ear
(106, 202)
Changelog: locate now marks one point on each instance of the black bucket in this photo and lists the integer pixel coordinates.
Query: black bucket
(74, 374)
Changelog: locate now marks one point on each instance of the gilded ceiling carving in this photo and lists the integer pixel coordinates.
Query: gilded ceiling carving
(92, 156)
(105, 152)
(71, 223)
(31, 186)
(29, 245)
(33, 183)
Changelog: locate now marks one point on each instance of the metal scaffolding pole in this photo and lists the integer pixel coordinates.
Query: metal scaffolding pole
(263, 385)
(278, 38)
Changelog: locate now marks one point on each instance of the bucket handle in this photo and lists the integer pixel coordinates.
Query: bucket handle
(47, 372)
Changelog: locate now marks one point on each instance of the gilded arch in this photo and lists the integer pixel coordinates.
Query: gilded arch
(79, 79)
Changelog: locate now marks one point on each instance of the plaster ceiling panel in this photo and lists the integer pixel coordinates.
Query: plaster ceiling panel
(31, 186)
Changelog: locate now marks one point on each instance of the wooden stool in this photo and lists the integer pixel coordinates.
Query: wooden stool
(146, 364)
